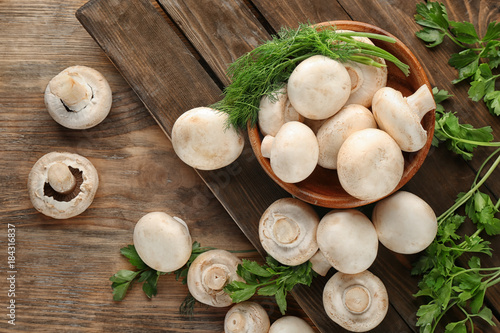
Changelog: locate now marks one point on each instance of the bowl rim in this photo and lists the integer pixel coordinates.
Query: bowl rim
(410, 169)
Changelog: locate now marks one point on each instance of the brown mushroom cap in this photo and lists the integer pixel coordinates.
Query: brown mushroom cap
(287, 231)
(357, 302)
(163, 242)
(294, 152)
(370, 164)
(401, 117)
(290, 324)
(201, 139)
(318, 87)
(79, 97)
(348, 240)
(338, 128)
(276, 111)
(246, 317)
(405, 223)
(62, 185)
(209, 273)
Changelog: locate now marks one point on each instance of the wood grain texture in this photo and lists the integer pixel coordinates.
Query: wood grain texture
(63, 267)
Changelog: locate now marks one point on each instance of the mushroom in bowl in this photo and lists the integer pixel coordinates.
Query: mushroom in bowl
(323, 187)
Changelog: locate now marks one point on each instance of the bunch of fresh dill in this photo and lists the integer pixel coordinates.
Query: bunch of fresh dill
(266, 68)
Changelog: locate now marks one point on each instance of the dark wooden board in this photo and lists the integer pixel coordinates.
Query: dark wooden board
(152, 58)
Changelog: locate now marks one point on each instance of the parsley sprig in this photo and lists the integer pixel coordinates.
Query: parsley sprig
(459, 138)
(123, 280)
(269, 279)
(264, 70)
(444, 282)
(478, 56)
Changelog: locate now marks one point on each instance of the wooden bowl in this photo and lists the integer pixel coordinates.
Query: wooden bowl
(322, 187)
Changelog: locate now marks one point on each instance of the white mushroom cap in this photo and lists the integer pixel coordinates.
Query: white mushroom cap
(401, 117)
(163, 242)
(290, 324)
(202, 139)
(335, 130)
(287, 231)
(370, 164)
(294, 152)
(318, 87)
(209, 273)
(246, 317)
(357, 302)
(274, 112)
(348, 240)
(78, 98)
(62, 185)
(405, 223)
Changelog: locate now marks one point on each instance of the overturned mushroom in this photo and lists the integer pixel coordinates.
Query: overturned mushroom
(404, 222)
(293, 152)
(348, 240)
(78, 98)
(246, 317)
(163, 242)
(275, 111)
(202, 139)
(62, 185)
(401, 116)
(290, 324)
(357, 302)
(370, 164)
(209, 273)
(366, 80)
(318, 87)
(287, 231)
(335, 130)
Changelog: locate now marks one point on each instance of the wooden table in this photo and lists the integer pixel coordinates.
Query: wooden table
(63, 266)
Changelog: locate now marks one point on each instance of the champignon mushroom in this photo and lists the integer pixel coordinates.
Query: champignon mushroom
(290, 324)
(357, 302)
(79, 97)
(366, 80)
(163, 242)
(62, 185)
(287, 231)
(404, 222)
(348, 240)
(246, 317)
(318, 87)
(335, 130)
(202, 139)
(275, 111)
(209, 273)
(401, 116)
(294, 152)
(370, 164)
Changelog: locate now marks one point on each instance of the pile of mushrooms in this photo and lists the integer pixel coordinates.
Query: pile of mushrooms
(322, 118)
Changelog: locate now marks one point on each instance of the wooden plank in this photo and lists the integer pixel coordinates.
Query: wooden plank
(243, 179)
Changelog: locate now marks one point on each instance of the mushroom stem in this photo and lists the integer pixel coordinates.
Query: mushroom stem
(235, 322)
(285, 230)
(356, 299)
(421, 102)
(72, 89)
(215, 277)
(60, 178)
(356, 76)
(266, 146)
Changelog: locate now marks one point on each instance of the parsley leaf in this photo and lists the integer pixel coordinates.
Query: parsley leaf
(459, 138)
(477, 57)
(270, 279)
